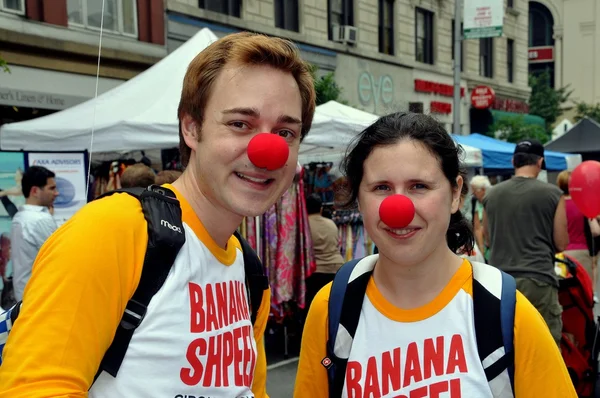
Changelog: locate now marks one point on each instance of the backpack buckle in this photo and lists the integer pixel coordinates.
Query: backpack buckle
(134, 315)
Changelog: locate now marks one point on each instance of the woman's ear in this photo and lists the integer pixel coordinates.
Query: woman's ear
(456, 192)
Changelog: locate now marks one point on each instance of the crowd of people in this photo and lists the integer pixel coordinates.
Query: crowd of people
(419, 318)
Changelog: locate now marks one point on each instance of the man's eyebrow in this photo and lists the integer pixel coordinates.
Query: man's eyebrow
(244, 111)
(288, 119)
(253, 112)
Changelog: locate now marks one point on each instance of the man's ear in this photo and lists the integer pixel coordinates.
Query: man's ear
(190, 131)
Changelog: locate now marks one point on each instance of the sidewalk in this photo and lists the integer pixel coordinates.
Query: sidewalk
(281, 377)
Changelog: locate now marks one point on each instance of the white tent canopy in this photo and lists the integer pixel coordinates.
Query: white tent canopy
(138, 114)
(334, 127)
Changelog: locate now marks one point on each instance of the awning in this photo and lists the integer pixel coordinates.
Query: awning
(527, 118)
(498, 154)
(49, 89)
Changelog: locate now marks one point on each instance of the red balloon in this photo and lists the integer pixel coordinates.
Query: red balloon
(584, 188)
(397, 211)
(268, 151)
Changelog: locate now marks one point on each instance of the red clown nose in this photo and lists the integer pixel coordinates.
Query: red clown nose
(397, 211)
(268, 151)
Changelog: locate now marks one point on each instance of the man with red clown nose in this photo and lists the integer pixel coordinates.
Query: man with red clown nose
(247, 102)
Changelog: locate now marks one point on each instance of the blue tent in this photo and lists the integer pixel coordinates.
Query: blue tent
(498, 154)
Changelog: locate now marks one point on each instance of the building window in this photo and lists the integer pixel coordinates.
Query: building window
(286, 14)
(541, 25)
(120, 16)
(424, 36)
(13, 6)
(341, 12)
(486, 57)
(510, 3)
(386, 26)
(462, 47)
(415, 107)
(510, 59)
(227, 7)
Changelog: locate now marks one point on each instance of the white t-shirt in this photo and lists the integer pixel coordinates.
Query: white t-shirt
(429, 352)
(196, 339)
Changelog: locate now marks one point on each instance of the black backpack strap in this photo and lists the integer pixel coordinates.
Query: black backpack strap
(256, 280)
(494, 300)
(165, 238)
(345, 302)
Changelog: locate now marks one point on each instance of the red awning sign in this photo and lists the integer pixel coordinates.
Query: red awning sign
(482, 97)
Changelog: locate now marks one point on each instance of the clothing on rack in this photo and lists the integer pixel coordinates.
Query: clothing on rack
(354, 240)
(285, 245)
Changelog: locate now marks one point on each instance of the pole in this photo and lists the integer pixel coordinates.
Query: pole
(257, 231)
(457, 63)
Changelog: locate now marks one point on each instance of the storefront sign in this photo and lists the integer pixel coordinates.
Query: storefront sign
(510, 105)
(440, 107)
(31, 99)
(373, 90)
(482, 97)
(483, 18)
(541, 54)
(447, 90)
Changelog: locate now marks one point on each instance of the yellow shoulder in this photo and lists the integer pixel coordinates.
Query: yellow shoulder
(534, 346)
(311, 378)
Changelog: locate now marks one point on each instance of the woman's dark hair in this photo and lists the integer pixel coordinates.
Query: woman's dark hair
(391, 129)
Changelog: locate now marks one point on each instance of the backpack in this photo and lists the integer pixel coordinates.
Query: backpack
(165, 238)
(494, 300)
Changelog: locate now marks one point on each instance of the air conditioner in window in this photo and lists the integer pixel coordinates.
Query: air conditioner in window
(345, 34)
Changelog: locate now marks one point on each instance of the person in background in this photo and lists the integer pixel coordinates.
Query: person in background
(525, 225)
(578, 246)
(167, 176)
(7, 292)
(33, 224)
(474, 254)
(137, 175)
(326, 247)
(479, 186)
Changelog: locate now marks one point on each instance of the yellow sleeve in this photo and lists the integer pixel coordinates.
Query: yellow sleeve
(81, 281)
(540, 370)
(259, 385)
(311, 379)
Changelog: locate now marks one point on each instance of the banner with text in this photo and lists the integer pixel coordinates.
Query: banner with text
(70, 171)
(483, 18)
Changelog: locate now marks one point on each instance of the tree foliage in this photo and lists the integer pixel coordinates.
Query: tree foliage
(546, 101)
(515, 129)
(4, 65)
(587, 110)
(326, 88)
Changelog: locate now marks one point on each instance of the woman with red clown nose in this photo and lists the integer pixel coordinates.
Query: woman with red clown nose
(417, 320)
